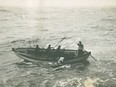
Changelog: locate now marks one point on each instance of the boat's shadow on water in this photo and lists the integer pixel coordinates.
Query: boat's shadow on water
(78, 66)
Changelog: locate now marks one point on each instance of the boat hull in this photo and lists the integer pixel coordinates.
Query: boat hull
(29, 54)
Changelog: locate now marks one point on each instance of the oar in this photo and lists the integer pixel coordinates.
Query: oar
(91, 55)
(93, 58)
(44, 44)
(60, 41)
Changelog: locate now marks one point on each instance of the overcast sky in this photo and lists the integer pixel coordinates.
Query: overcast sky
(57, 3)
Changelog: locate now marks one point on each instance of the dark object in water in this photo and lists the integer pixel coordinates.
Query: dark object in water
(67, 56)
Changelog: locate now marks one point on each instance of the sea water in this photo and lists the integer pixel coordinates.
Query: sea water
(95, 27)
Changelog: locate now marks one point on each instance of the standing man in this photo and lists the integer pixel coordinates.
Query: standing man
(80, 48)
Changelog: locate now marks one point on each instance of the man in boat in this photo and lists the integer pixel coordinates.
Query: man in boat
(58, 51)
(48, 49)
(80, 48)
(37, 49)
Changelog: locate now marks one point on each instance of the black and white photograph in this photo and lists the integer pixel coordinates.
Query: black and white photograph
(57, 43)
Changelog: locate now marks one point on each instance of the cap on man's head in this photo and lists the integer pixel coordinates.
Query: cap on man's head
(59, 46)
(79, 41)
